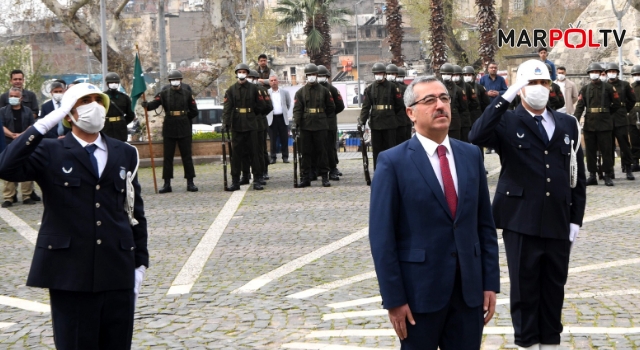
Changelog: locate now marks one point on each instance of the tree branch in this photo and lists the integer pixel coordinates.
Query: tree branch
(75, 6)
(118, 10)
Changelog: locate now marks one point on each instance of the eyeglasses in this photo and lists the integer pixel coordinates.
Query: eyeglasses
(430, 99)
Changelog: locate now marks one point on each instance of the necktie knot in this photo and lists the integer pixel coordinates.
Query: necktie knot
(90, 148)
(442, 151)
(92, 157)
(538, 119)
(543, 131)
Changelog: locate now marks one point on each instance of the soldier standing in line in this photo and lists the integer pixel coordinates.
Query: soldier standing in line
(119, 113)
(179, 108)
(478, 94)
(402, 117)
(311, 105)
(620, 118)
(634, 119)
(599, 100)
(242, 104)
(261, 134)
(458, 104)
(465, 125)
(408, 124)
(332, 122)
(382, 103)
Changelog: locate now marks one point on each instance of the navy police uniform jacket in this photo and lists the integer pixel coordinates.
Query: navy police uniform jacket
(533, 195)
(85, 242)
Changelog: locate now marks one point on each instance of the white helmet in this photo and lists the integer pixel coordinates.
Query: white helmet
(532, 70)
(80, 90)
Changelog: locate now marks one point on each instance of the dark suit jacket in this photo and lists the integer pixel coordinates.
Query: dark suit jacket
(85, 243)
(6, 113)
(47, 108)
(29, 99)
(416, 243)
(533, 196)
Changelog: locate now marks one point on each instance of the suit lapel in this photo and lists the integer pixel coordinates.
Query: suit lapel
(422, 162)
(460, 158)
(528, 120)
(78, 151)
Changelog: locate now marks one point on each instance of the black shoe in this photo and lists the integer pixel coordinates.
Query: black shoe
(612, 175)
(313, 176)
(630, 174)
(334, 177)
(273, 161)
(265, 176)
(235, 186)
(325, 181)
(257, 186)
(608, 181)
(166, 188)
(592, 180)
(28, 201)
(7, 204)
(260, 181)
(15, 198)
(244, 181)
(35, 196)
(285, 160)
(191, 187)
(304, 183)
(338, 172)
(635, 168)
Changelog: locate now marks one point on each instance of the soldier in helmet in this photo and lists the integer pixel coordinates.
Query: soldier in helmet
(261, 134)
(119, 113)
(242, 104)
(599, 100)
(465, 122)
(332, 122)
(458, 105)
(634, 118)
(402, 117)
(381, 103)
(620, 118)
(408, 124)
(311, 105)
(478, 95)
(179, 108)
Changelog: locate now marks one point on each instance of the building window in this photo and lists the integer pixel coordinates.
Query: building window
(518, 5)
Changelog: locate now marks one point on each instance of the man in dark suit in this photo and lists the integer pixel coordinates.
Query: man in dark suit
(57, 90)
(91, 251)
(433, 239)
(539, 202)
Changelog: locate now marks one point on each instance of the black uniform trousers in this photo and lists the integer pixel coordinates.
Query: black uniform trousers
(332, 151)
(538, 269)
(244, 144)
(314, 150)
(184, 145)
(621, 133)
(261, 154)
(382, 140)
(594, 141)
(403, 133)
(464, 133)
(455, 134)
(279, 133)
(85, 320)
(634, 137)
(443, 327)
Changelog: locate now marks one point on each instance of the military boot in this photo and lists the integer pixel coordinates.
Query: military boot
(333, 175)
(257, 186)
(313, 175)
(245, 180)
(608, 181)
(304, 182)
(630, 173)
(166, 188)
(235, 185)
(325, 180)
(592, 180)
(191, 187)
(636, 166)
(266, 175)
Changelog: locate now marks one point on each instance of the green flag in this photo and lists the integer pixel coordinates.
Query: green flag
(139, 86)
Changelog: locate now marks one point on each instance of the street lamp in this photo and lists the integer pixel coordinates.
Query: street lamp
(619, 15)
(241, 16)
(355, 13)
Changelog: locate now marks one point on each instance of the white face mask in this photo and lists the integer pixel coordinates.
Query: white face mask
(116, 86)
(391, 77)
(322, 79)
(594, 76)
(561, 77)
(14, 101)
(311, 78)
(242, 76)
(468, 79)
(456, 78)
(90, 117)
(636, 78)
(379, 77)
(175, 82)
(446, 77)
(536, 96)
(603, 78)
(57, 97)
(612, 75)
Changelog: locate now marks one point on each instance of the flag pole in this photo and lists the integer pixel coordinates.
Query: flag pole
(146, 119)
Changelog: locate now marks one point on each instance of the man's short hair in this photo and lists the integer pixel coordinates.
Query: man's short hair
(409, 94)
(55, 85)
(15, 89)
(492, 62)
(542, 48)
(64, 83)
(15, 71)
(263, 56)
(561, 67)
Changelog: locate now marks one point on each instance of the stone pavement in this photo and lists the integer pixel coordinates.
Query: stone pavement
(292, 269)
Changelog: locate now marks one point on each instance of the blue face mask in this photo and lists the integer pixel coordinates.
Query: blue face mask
(14, 101)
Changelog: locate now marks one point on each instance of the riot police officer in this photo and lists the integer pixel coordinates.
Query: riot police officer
(119, 113)
(312, 104)
(620, 118)
(332, 122)
(261, 133)
(179, 108)
(478, 94)
(465, 125)
(242, 104)
(634, 118)
(599, 100)
(381, 103)
(403, 118)
(458, 105)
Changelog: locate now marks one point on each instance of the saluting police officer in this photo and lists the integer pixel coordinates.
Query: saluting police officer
(382, 103)
(458, 105)
(119, 113)
(261, 132)
(311, 105)
(242, 103)
(599, 100)
(465, 125)
(402, 117)
(179, 108)
(478, 100)
(620, 118)
(634, 119)
(408, 124)
(332, 122)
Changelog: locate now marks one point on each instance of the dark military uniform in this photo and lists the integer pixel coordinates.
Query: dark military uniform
(634, 119)
(599, 100)
(242, 105)
(403, 131)
(465, 121)
(458, 106)
(179, 108)
(118, 116)
(478, 101)
(621, 121)
(312, 104)
(261, 137)
(382, 102)
(556, 98)
(332, 123)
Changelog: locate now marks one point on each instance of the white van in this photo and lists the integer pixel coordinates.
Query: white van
(209, 116)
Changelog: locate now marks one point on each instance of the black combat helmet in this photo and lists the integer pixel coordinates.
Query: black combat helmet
(457, 69)
(175, 75)
(612, 66)
(112, 77)
(446, 68)
(242, 66)
(310, 69)
(468, 70)
(402, 73)
(635, 69)
(379, 68)
(392, 69)
(253, 74)
(323, 71)
(594, 67)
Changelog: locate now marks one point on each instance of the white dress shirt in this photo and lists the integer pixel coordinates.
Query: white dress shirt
(431, 148)
(100, 152)
(547, 121)
(276, 102)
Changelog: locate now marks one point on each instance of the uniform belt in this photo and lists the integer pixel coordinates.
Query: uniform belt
(177, 113)
(622, 104)
(382, 107)
(597, 110)
(243, 110)
(314, 110)
(114, 119)
(637, 104)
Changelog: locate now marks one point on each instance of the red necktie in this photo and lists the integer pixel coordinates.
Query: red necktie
(449, 188)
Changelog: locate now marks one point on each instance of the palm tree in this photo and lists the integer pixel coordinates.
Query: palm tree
(486, 18)
(394, 26)
(438, 45)
(318, 16)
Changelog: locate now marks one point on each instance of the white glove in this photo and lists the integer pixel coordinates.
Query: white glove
(573, 232)
(513, 90)
(140, 271)
(52, 119)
